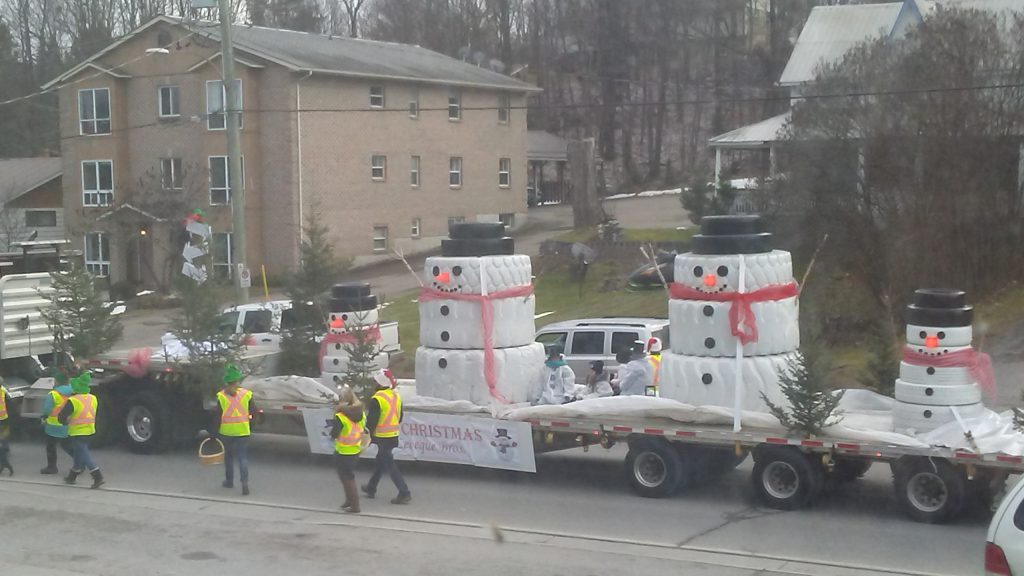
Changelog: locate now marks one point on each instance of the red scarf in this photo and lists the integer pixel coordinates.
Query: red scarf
(487, 318)
(372, 333)
(979, 364)
(741, 315)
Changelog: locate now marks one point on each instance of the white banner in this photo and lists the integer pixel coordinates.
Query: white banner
(473, 440)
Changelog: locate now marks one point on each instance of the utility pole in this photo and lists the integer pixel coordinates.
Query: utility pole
(232, 116)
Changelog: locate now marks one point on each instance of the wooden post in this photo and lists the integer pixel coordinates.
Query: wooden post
(587, 209)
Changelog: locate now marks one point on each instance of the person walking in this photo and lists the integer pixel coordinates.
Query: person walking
(383, 420)
(79, 415)
(5, 430)
(56, 433)
(347, 429)
(236, 410)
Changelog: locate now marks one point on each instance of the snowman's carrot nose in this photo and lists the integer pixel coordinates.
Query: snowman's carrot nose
(710, 280)
(931, 342)
(443, 277)
(337, 323)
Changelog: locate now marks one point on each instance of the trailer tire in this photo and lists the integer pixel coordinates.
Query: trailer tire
(654, 468)
(929, 490)
(785, 478)
(147, 423)
(849, 469)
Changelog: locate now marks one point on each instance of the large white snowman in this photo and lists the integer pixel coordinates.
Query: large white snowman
(940, 369)
(352, 306)
(476, 320)
(733, 317)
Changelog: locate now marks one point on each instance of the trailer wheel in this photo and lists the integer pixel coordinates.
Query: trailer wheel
(929, 490)
(654, 468)
(785, 478)
(849, 469)
(147, 423)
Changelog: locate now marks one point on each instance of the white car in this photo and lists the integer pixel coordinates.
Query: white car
(1004, 546)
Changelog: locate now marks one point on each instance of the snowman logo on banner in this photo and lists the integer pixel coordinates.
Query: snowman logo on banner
(504, 445)
(942, 377)
(733, 318)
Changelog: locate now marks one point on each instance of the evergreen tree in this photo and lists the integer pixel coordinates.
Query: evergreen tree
(883, 363)
(811, 403)
(362, 355)
(319, 269)
(81, 324)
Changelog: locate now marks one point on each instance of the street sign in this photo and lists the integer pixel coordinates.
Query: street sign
(244, 278)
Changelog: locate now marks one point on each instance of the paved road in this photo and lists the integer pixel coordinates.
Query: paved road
(574, 516)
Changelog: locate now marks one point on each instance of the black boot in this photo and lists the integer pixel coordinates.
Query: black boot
(72, 476)
(97, 478)
(5, 463)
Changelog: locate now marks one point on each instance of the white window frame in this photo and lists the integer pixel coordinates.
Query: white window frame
(504, 172)
(454, 105)
(381, 102)
(40, 211)
(455, 172)
(227, 179)
(414, 171)
(98, 196)
(377, 228)
(414, 102)
(177, 174)
(99, 266)
(95, 120)
(173, 97)
(379, 168)
(220, 265)
(504, 108)
(416, 229)
(211, 114)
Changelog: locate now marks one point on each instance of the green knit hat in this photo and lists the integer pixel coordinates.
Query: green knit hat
(232, 374)
(80, 383)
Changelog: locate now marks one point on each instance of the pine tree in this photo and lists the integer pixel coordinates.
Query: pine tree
(362, 355)
(811, 403)
(883, 363)
(81, 324)
(319, 269)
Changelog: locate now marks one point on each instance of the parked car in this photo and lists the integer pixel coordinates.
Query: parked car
(583, 341)
(1004, 546)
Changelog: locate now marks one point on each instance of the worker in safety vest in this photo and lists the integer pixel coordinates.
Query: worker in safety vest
(5, 431)
(347, 429)
(235, 413)
(383, 421)
(79, 415)
(56, 433)
(654, 358)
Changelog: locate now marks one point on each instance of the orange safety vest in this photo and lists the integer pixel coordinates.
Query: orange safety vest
(83, 416)
(234, 418)
(656, 368)
(390, 414)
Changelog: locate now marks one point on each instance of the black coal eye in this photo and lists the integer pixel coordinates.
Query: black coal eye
(723, 271)
(923, 334)
(457, 270)
(942, 335)
(436, 271)
(344, 316)
(698, 271)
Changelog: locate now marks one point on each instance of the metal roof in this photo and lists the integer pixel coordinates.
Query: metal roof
(830, 32)
(541, 145)
(19, 176)
(757, 135)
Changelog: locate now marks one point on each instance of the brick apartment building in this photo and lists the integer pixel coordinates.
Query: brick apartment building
(388, 142)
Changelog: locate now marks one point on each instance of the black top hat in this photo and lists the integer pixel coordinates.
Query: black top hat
(731, 234)
(940, 307)
(477, 239)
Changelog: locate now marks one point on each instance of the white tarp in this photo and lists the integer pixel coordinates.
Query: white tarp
(290, 389)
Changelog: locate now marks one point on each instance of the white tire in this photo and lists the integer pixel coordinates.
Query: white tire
(767, 269)
(338, 362)
(712, 381)
(936, 352)
(701, 328)
(919, 418)
(500, 272)
(932, 376)
(933, 395)
(947, 337)
(459, 374)
(365, 318)
(458, 324)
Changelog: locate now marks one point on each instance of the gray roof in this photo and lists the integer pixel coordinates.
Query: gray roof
(757, 135)
(19, 176)
(830, 32)
(541, 145)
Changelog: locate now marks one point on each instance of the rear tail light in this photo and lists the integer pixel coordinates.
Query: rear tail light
(995, 561)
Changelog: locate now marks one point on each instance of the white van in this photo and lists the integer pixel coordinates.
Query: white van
(583, 341)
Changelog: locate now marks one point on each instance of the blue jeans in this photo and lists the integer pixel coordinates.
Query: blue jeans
(80, 454)
(385, 464)
(236, 448)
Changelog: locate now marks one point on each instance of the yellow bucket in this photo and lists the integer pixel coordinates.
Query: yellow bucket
(208, 457)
